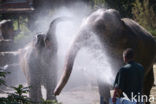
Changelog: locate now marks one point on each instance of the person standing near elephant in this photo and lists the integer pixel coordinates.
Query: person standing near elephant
(130, 77)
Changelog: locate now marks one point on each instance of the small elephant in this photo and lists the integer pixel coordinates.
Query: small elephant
(39, 63)
(6, 29)
(115, 34)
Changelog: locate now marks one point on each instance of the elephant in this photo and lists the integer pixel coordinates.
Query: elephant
(39, 63)
(6, 29)
(115, 34)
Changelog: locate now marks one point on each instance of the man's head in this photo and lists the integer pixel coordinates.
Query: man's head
(128, 55)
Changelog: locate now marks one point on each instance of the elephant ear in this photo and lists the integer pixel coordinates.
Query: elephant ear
(128, 24)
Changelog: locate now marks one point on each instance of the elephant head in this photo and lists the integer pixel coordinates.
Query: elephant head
(48, 40)
(104, 24)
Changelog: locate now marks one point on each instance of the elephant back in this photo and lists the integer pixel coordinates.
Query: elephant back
(145, 42)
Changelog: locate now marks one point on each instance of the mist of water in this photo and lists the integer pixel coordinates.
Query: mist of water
(91, 63)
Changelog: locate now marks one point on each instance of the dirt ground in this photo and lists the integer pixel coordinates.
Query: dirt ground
(81, 95)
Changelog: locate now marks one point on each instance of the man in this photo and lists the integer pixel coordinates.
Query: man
(129, 79)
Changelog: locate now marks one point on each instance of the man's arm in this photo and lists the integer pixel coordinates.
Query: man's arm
(119, 84)
(116, 80)
(121, 79)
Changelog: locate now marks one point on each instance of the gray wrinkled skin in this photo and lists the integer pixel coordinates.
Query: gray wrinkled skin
(115, 34)
(39, 63)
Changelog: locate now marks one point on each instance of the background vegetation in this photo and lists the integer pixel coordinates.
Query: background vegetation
(144, 14)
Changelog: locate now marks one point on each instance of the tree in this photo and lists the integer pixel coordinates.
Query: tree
(124, 6)
(144, 14)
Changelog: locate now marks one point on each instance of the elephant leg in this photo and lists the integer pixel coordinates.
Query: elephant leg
(35, 90)
(50, 86)
(148, 83)
(104, 91)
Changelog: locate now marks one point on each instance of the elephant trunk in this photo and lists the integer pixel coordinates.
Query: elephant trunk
(52, 27)
(67, 69)
(81, 41)
(51, 34)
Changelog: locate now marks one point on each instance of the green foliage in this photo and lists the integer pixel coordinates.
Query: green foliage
(123, 6)
(17, 97)
(23, 35)
(23, 38)
(144, 14)
(24, 31)
(21, 90)
(19, 94)
(2, 76)
(49, 102)
(99, 3)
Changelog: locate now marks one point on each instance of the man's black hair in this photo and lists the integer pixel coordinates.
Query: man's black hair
(129, 53)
